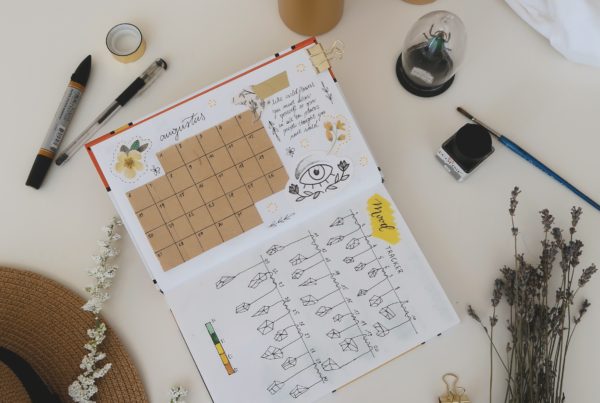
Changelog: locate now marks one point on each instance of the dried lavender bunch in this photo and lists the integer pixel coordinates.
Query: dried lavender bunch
(541, 321)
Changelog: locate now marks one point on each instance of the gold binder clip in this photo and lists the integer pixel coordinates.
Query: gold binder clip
(454, 394)
(321, 58)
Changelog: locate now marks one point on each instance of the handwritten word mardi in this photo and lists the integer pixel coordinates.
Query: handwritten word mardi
(186, 123)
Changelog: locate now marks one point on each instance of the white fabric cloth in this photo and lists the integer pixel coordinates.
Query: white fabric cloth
(572, 26)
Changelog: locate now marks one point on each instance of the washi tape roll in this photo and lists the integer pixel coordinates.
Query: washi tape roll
(125, 42)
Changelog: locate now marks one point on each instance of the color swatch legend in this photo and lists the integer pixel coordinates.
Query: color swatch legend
(219, 347)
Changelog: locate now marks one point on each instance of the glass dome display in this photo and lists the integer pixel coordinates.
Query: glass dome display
(433, 50)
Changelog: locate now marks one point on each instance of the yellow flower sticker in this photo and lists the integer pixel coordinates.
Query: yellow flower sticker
(129, 163)
(129, 160)
(335, 133)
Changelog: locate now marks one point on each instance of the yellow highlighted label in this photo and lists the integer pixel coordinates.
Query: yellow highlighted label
(382, 219)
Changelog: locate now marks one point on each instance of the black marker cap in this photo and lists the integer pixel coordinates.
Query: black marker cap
(82, 73)
(38, 171)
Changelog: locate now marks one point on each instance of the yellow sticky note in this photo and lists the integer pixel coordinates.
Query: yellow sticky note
(382, 219)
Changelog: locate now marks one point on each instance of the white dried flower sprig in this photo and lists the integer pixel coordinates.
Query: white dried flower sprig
(84, 388)
(177, 394)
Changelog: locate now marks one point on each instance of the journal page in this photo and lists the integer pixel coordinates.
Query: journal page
(310, 310)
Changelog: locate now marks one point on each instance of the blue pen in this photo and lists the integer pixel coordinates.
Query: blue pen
(528, 157)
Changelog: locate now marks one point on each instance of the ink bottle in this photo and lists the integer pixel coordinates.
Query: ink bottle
(465, 150)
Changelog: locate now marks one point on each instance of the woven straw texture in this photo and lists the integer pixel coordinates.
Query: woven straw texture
(11, 389)
(43, 322)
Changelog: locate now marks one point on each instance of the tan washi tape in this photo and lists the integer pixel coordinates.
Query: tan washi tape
(269, 87)
(125, 42)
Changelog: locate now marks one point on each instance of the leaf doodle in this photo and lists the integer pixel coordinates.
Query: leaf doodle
(327, 92)
(274, 249)
(224, 280)
(323, 310)
(296, 260)
(337, 222)
(353, 243)
(334, 240)
(360, 266)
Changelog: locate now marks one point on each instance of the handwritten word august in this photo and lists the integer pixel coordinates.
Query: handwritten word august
(186, 123)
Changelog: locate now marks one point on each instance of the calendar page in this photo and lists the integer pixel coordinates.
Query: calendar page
(215, 173)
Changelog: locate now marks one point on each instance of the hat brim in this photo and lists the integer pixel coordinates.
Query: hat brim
(42, 322)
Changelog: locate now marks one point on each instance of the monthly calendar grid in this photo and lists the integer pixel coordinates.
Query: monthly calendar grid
(208, 192)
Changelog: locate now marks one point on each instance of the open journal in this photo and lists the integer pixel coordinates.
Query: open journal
(261, 215)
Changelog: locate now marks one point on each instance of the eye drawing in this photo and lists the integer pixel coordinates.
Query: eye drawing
(317, 176)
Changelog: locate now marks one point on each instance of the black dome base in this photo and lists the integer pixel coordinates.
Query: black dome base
(418, 90)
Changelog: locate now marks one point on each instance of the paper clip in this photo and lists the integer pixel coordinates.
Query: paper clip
(321, 58)
(454, 393)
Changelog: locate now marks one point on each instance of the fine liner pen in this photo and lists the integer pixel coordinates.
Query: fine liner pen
(60, 123)
(135, 88)
(528, 157)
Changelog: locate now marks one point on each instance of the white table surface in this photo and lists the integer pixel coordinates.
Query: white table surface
(511, 78)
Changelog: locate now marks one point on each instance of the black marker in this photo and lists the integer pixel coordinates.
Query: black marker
(60, 123)
(135, 88)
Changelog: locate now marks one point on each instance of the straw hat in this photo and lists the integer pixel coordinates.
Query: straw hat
(42, 333)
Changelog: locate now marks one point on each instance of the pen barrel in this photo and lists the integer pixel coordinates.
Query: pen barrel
(54, 135)
(138, 85)
(62, 119)
(534, 161)
(89, 131)
(130, 91)
(525, 155)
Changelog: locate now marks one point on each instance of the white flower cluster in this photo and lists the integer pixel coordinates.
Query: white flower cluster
(177, 394)
(84, 388)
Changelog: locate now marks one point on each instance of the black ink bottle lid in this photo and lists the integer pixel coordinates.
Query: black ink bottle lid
(465, 150)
